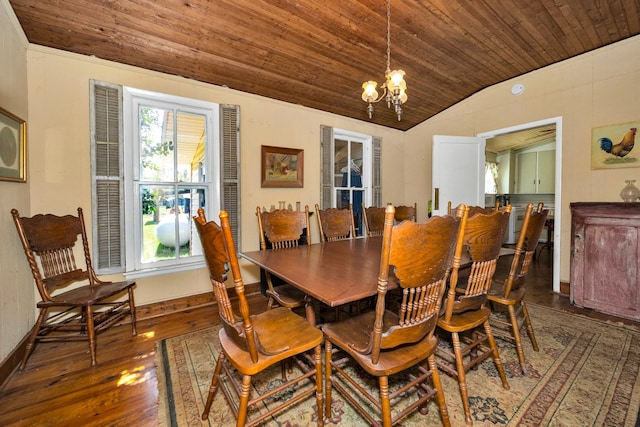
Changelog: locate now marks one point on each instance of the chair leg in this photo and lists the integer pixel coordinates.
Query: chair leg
(435, 377)
(319, 397)
(527, 320)
(32, 338)
(244, 401)
(327, 379)
(496, 355)
(214, 387)
(517, 338)
(385, 405)
(462, 379)
(132, 312)
(91, 333)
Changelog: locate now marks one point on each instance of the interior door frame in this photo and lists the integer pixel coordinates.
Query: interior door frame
(557, 229)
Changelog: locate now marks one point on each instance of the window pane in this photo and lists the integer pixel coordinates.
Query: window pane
(166, 221)
(190, 147)
(157, 161)
(341, 161)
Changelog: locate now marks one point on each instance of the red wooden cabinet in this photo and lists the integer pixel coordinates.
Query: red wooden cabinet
(605, 257)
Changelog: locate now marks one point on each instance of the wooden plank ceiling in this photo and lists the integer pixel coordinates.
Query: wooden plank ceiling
(317, 53)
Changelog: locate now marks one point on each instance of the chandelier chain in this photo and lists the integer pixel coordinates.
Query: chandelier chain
(388, 35)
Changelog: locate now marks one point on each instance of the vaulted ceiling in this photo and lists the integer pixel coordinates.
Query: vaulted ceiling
(317, 53)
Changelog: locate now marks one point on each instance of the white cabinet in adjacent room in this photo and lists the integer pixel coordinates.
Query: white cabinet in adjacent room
(535, 172)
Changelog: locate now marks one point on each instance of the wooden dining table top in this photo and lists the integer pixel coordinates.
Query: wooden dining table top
(334, 273)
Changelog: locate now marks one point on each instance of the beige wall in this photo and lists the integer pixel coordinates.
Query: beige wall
(16, 291)
(594, 89)
(59, 154)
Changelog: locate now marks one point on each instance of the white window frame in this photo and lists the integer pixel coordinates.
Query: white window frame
(132, 99)
(372, 159)
(367, 159)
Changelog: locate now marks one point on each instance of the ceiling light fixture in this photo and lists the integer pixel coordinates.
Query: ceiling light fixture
(395, 87)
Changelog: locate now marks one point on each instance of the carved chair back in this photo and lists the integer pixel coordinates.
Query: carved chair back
(48, 241)
(335, 224)
(420, 256)
(220, 255)
(482, 240)
(373, 220)
(406, 213)
(283, 228)
(532, 226)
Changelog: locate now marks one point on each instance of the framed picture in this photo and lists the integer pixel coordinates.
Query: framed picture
(13, 147)
(282, 167)
(612, 146)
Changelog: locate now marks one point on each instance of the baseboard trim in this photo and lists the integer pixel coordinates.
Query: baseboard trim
(143, 312)
(12, 361)
(565, 288)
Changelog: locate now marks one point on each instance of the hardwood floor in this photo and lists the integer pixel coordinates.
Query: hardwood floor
(58, 387)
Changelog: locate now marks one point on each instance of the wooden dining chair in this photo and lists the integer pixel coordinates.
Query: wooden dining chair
(406, 213)
(282, 229)
(373, 220)
(509, 293)
(335, 224)
(385, 342)
(465, 307)
(253, 343)
(89, 305)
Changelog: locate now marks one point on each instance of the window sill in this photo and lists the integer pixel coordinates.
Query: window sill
(157, 271)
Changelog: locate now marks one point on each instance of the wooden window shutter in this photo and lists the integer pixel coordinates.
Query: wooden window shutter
(326, 170)
(230, 164)
(107, 177)
(376, 171)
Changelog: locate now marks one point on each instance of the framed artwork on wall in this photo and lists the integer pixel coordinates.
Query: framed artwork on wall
(13, 147)
(282, 167)
(612, 146)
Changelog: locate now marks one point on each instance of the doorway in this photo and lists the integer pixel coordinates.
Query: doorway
(528, 129)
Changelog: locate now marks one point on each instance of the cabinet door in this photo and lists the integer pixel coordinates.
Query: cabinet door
(605, 256)
(547, 171)
(526, 172)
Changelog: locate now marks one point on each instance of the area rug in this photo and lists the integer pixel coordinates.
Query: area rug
(585, 374)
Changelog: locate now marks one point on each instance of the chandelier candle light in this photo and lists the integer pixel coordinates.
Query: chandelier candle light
(395, 87)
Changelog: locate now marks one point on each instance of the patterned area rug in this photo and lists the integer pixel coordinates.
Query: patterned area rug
(585, 374)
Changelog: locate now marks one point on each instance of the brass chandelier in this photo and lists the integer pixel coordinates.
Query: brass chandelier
(394, 87)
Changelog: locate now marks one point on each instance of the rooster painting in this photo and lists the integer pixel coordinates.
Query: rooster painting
(622, 148)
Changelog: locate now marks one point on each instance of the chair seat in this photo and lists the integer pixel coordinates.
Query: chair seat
(514, 296)
(88, 295)
(287, 295)
(280, 332)
(465, 321)
(355, 332)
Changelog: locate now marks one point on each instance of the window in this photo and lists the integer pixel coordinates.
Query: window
(350, 171)
(490, 177)
(164, 157)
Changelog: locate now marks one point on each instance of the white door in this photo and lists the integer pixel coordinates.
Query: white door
(458, 172)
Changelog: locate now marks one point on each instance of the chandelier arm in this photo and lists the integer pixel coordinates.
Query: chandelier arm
(382, 96)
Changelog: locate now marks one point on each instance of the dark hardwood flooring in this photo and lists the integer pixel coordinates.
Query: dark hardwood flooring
(58, 387)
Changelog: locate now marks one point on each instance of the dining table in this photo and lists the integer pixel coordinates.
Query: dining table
(334, 273)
